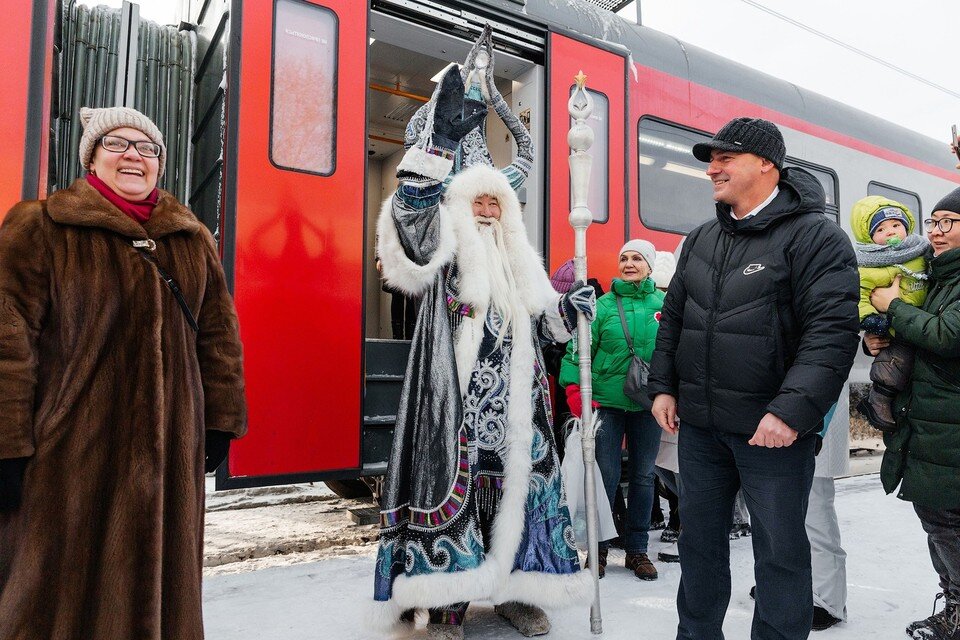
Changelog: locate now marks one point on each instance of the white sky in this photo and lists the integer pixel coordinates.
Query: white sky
(921, 36)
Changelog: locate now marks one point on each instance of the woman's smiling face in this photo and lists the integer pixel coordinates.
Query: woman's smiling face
(633, 268)
(128, 174)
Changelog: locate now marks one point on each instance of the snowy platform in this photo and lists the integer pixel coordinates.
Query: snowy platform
(890, 583)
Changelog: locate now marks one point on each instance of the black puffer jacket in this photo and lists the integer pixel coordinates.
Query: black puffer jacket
(761, 316)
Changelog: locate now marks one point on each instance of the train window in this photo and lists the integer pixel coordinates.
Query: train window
(598, 200)
(828, 179)
(303, 87)
(675, 192)
(907, 198)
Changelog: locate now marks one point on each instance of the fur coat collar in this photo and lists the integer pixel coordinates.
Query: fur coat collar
(81, 205)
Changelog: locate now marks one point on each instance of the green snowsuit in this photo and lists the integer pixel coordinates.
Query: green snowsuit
(913, 291)
(608, 349)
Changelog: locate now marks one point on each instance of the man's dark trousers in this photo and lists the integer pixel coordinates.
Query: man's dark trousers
(776, 484)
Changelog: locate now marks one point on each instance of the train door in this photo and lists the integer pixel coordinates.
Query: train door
(25, 33)
(294, 163)
(606, 71)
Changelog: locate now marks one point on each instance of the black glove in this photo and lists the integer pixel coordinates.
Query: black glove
(216, 448)
(455, 116)
(11, 482)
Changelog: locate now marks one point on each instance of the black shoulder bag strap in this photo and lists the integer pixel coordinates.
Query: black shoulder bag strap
(144, 247)
(623, 323)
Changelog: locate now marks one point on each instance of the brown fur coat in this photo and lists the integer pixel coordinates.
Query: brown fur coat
(108, 390)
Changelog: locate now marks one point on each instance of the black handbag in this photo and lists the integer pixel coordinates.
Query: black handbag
(635, 386)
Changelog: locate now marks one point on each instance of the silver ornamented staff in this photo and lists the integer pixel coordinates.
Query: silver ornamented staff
(580, 138)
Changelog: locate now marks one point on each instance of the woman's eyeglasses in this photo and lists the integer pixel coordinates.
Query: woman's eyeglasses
(944, 224)
(116, 144)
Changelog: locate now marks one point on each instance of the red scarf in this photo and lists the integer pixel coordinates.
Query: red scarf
(139, 210)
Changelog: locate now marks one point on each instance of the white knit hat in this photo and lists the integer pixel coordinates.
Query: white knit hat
(99, 122)
(666, 267)
(645, 249)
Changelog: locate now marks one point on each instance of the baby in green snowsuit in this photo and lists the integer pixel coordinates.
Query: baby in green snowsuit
(887, 248)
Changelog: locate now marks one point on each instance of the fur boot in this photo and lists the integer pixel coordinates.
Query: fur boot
(444, 632)
(527, 619)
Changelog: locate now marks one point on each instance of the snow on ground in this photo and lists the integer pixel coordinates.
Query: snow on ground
(890, 582)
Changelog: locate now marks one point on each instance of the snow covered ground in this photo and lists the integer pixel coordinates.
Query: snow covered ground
(890, 583)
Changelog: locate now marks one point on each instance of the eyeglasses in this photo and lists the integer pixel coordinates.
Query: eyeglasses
(116, 144)
(944, 224)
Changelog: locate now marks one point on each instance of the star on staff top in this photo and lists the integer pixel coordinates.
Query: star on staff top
(580, 79)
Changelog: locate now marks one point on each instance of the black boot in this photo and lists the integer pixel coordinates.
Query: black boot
(940, 626)
(877, 408)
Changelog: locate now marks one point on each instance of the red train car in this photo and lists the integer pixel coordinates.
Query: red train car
(292, 129)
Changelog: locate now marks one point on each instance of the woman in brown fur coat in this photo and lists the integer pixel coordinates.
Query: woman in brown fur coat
(112, 398)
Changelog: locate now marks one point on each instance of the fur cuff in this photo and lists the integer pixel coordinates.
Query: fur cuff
(548, 591)
(399, 271)
(424, 163)
(383, 618)
(555, 324)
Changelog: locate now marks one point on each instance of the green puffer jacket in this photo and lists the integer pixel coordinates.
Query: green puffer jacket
(609, 353)
(912, 290)
(925, 451)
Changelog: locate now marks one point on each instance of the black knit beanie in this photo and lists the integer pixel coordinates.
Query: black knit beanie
(949, 202)
(746, 135)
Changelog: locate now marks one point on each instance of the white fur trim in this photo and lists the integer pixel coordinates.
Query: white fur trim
(428, 165)
(550, 591)
(401, 272)
(383, 617)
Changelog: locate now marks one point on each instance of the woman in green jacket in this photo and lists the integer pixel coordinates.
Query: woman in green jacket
(923, 455)
(619, 415)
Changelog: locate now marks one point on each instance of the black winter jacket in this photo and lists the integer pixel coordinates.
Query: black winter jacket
(761, 316)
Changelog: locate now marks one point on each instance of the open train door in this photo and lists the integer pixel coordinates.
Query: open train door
(606, 71)
(295, 163)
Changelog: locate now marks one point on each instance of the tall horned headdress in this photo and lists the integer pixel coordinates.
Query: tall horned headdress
(477, 74)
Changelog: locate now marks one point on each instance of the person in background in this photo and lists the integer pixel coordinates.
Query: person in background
(828, 559)
(636, 293)
(887, 251)
(667, 466)
(118, 392)
(922, 456)
(758, 333)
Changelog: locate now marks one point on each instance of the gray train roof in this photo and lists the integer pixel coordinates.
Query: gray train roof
(665, 53)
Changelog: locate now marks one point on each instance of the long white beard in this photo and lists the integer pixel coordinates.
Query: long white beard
(503, 286)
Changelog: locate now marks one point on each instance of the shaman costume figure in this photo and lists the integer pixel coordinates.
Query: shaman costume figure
(473, 505)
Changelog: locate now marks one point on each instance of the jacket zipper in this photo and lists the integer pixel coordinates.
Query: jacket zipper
(717, 279)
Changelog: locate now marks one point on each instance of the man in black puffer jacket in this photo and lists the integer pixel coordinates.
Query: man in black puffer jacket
(757, 335)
